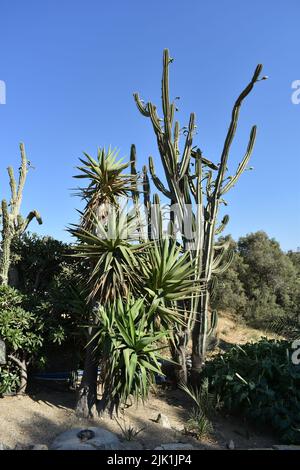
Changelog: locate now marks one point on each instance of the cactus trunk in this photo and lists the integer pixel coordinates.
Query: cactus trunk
(13, 224)
(198, 186)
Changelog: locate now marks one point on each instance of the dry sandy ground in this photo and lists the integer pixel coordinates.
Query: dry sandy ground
(230, 332)
(38, 418)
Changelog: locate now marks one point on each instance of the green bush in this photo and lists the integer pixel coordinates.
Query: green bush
(9, 379)
(27, 331)
(260, 381)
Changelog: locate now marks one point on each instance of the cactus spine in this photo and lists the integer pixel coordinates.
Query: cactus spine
(13, 224)
(200, 185)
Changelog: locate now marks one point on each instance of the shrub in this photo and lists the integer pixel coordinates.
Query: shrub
(260, 381)
(26, 330)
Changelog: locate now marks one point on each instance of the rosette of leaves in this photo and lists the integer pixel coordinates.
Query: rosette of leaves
(169, 277)
(107, 183)
(129, 350)
(111, 251)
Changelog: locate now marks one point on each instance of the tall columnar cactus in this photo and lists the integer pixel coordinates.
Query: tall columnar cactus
(13, 224)
(196, 186)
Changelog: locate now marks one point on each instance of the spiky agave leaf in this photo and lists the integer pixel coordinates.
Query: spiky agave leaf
(168, 278)
(111, 250)
(129, 350)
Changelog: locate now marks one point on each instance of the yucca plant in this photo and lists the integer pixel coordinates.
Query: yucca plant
(129, 351)
(107, 183)
(113, 255)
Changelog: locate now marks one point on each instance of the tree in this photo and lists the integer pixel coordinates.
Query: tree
(270, 280)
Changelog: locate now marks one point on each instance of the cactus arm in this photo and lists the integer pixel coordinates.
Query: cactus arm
(159, 185)
(32, 214)
(147, 204)
(233, 126)
(205, 162)
(186, 157)
(168, 112)
(5, 243)
(21, 182)
(134, 190)
(225, 266)
(244, 162)
(222, 225)
(176, 139)
(12, 184)
(192, 187)
(213, 323)
(154, 118)
(143, 109)
(222, 169)
(165, 96)
(218, 259)
(156, 218)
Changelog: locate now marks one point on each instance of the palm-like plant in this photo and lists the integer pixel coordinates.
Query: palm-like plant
(111, 250)
(129, 350)
(107, 183)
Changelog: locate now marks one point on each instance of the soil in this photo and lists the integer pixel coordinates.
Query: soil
(39, 417)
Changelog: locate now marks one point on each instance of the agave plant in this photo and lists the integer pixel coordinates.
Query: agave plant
(129, 350)
(168, 279)
(111, 250)
(107, 183)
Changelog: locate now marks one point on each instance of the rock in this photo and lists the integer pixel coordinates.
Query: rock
(163, 420)
(286, 447)
(3, 446)
(102, 440)
(231, 445)
(175, 446)
(40, 447)
(20, 447)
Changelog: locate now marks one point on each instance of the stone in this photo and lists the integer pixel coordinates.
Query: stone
(175, 446)
(231, 445)
(163, 420)
(40, 447)
(102, 440)
(2, 352)
(20, 447)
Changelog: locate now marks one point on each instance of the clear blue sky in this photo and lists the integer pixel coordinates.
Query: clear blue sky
(71, 67)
